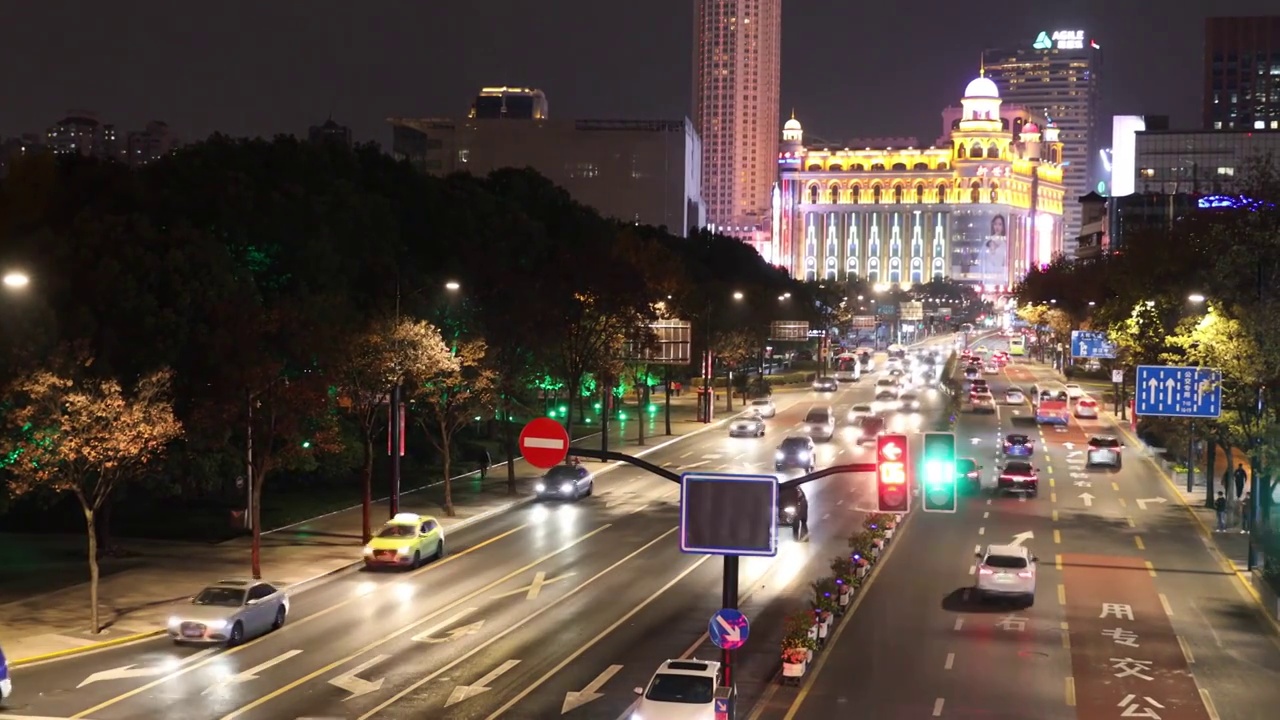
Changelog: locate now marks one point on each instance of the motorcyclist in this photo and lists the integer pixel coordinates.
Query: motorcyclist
(793, 510)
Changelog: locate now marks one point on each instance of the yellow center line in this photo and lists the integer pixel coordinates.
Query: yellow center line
(1151, 569)
(1055, 516)
(290, 626)
(410, 627)
(1057, 537)
(1066, 637)
(1131, 522)
(1053, 497)
(1071, 691)
(1115, 486)
(1057, 562)
(1062, 594)
(1122, 502)
(1049, 468)
(1138, 541)
(1051, 484)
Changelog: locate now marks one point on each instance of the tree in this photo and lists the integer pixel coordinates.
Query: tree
(452, 396)
(86, 436)
(377, 359)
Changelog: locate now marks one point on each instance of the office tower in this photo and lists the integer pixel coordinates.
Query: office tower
(1241, 73)
(1055, 74)
(509, 103)
(736, 64)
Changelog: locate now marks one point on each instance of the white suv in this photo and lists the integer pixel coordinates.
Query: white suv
(1006, 571)
(680, 690)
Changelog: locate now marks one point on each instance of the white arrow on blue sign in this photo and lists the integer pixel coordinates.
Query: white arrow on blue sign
(729, 629)
(1091, 344)
(1178, 391)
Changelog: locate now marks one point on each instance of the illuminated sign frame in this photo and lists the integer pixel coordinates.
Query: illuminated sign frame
(1059, 40)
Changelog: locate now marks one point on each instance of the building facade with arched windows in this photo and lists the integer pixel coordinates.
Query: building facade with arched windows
(983, 206)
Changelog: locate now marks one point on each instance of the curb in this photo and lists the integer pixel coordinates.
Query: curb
(1206, 536)
(761, 705)
(86, 649)
(315, 581)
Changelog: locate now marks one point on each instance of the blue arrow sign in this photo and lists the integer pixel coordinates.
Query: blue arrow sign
(729, 629)
(1177, 391)
(1091, 344)
(722, 709)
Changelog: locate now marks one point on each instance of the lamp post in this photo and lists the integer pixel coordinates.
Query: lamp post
(16, 280)
(708, 366)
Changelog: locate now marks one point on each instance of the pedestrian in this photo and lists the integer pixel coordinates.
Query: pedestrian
(485, 461)
(1220, 507)
(1241, 476)
(1246, 513)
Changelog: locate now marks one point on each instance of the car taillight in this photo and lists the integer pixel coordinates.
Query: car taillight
(1025, 574)
(984, 570)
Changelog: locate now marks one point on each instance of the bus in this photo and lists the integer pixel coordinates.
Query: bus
(1017, 345)
(1052, 405)
(847, 367)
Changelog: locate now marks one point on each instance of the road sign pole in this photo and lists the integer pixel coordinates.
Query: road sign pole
(1191, 453)
(393, 415)
(729, 600)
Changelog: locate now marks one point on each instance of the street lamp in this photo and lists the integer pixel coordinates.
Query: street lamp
(737, 295)
(15, 280)
(1196, 298)
(452, 285)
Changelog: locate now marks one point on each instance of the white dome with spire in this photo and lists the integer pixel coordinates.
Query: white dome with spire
(792, 124)
(982, 87)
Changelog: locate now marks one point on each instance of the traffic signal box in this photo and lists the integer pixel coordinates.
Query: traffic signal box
(939, 476)
(891, 473)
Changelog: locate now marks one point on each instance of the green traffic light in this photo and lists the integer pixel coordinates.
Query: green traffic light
(653, 409)
(939, 477)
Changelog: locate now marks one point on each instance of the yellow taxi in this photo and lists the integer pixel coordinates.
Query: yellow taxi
(405, 541)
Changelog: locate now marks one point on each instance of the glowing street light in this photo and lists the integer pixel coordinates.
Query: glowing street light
(16, 280)
(451, 285)
(1196, 298)
(738, 295)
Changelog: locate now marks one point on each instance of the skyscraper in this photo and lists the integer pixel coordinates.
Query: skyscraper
(1241, 73)
(1056, 74)
(736, 67)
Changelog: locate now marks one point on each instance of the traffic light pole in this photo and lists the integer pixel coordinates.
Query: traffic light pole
(729, 600)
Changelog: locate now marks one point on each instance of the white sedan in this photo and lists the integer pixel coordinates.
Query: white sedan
(229, 612)
(1014, 397)
(750, 426)
(1087, 407)
(1074, 391)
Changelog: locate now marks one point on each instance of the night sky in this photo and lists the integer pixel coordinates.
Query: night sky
(265, 66)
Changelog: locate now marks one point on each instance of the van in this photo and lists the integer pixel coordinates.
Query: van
(820, 422)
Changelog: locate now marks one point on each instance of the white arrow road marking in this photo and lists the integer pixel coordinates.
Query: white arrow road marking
(1073, 453)
(133, 671)
(731, 632)
(540, 581)
(454, 634)
(358, 686)
(1087, 498)
(462, 692)
(575, 700)
(250, 674)
(1142, 502)
(1022, 537)
(1083, 483)
(1069, 445)
(1079, 475)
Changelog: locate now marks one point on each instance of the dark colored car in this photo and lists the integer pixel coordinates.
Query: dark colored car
(1018, 476)
(794, 452)
(566, 482)
(826, 384)
(869, 428)
(793, 508)
(969, 474)
(1018, 446)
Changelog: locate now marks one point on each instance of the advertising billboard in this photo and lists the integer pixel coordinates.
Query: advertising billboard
(980, 245)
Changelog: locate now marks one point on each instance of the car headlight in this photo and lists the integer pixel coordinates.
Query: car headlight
(779, 455)
(402, 551)
(368, 551)
(804, 455)
(566, 487)
(790, 510)
(174, 620)
(540, 487)
(216, 624)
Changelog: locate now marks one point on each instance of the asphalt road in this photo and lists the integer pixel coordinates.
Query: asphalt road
(1133, 616)
(529, 607)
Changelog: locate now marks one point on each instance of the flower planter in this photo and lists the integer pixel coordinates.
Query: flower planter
(888, 534)
(845, 597)
(862, 571)
(792, 672)
(824, 629)
(813, 635)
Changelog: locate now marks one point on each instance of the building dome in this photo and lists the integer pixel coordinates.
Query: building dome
(981, 87)
(792, 124)
(1030, 128)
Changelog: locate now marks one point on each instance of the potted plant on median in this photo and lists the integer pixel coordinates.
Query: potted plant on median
(797, 645)
(825, 604)
(845, 570)
(861, 545)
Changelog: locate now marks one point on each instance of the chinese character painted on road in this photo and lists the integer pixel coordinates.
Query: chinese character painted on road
(1133, 708)
(1117, 611)
(1122, 636)
(1012, 623)
(1129, 667)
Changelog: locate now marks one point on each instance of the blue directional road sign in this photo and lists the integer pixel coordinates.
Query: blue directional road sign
(724, 514)
(1091, 344)
(729, 629)
(722, 709)
(1176, 391)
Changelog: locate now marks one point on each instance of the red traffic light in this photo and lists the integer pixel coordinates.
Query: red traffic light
(891, 473)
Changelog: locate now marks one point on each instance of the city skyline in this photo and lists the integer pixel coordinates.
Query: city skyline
(293, 69)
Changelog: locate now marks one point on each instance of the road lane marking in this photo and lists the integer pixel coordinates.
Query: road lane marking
(514, 626)
(250, 674)
(1052, 483)
(1066, 636)
(406, 629)
(1122, 502)
(1168, 610)
(700, 463)
(977, 549)
(937, 707)
(1115, 486)
(959, 624)
(82, 715)
(986, 515)
(1062, 594)
(1186, 650)
(1208, 704)
(824, 517)
(1050, 469)
(686, 455)
(1057, 562)
(1132, 524)
(463, 692)
(982, 531)
(1151, 569)
(1057, 537)
(1138, 541)
(592, 642)
(1054, 515)
(951, 660)
(533, 589)
(1071, 691)
(988, 501)
(1053, 497)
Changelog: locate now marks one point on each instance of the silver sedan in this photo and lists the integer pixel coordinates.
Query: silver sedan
(230, 611)
(751, 426)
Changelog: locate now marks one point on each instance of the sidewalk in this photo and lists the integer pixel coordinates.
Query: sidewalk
(136, 599)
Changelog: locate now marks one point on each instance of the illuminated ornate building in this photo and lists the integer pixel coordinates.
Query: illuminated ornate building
(982, 206)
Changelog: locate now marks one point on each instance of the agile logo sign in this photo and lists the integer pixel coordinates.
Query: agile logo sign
(1060, 39)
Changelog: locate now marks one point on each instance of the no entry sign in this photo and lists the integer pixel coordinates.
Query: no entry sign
(544, 443)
